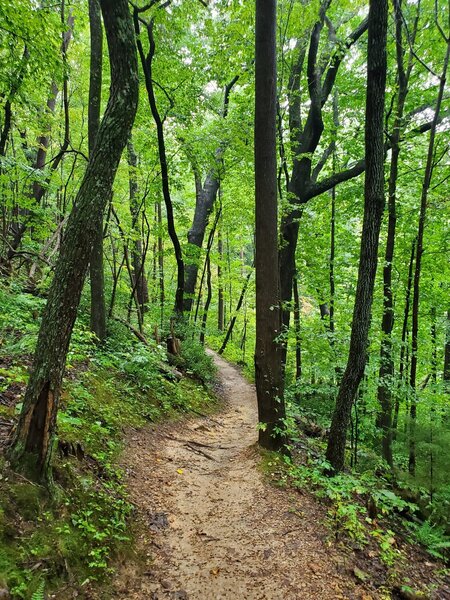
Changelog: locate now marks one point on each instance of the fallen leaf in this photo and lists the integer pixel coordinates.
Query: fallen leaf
(215, 571)
(180, 471)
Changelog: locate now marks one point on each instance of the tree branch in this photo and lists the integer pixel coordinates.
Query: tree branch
(337, 57)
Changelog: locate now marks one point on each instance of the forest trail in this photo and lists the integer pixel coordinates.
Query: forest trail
(210, 528)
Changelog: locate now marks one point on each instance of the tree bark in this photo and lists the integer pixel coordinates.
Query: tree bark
(138, 258)
(146, 62)
(206, 195)
(32, 446)
(238, 308)
(96, 270)
(386, 371)
(446, 373)
(418, 266)
(373, 211)
(268, 356)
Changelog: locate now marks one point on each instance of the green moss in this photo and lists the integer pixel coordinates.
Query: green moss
(28, 499)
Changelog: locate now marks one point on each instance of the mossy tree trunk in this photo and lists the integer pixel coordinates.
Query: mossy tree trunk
(96, 270)
(32, 446)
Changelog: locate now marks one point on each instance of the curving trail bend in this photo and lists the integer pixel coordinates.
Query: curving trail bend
(211, 528)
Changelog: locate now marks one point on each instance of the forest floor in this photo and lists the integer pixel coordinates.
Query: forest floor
(210, 525)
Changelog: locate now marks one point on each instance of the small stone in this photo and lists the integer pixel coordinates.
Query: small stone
(167, 585)
(315, 568)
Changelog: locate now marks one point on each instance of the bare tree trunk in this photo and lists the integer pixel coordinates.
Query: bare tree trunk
(268, 355)
(386, 371)
(32, 446)
(373, 211)
(147, 67)
(417, 271)
(298, 339)
(96, 270)
(446, 374)
(238, 308)
(220, 299)
(138, 258)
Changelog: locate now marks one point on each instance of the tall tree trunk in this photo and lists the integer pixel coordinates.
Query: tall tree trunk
(298, 339)
(268, 363)
(96, 270)
(138, 258)
(146, 61)
(32, 445)
(204, 203)
(373, 211)
(238, 308)
(386, 371)
(417, 271)
(446, 373)
(220, 299)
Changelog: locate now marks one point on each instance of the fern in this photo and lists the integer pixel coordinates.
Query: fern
(39, 594)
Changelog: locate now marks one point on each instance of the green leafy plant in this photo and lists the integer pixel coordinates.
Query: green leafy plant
(39, 594)
(435, 539)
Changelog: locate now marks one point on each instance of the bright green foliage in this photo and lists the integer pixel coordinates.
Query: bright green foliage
(198, 51)
(107, 390)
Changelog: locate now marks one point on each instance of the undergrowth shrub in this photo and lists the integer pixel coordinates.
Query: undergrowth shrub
(46, 543)
(198, 363)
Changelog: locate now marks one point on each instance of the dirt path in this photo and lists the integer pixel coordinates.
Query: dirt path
(211, 528)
